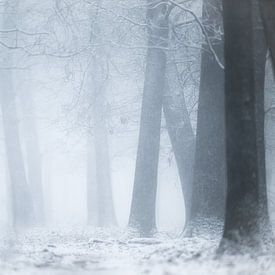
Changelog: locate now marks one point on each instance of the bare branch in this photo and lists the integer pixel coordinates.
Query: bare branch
(204, 32)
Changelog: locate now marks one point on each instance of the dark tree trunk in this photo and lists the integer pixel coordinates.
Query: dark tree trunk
(209, 170)
(142, 214)
(244, 207)
(180, 131)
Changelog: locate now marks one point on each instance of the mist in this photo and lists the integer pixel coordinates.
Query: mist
(137, 137)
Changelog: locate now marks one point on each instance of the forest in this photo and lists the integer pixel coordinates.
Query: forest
(137, 137)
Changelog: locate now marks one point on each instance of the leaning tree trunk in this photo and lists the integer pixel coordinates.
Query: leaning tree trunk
(33, 156)
(180, 131)
(209, 168)
(142, 215)
(22, 206)
(244, 207)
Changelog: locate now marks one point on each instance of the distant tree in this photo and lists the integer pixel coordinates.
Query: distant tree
(92, 208)
(22, 204)
(33, 156)
(100, 212)
(104, 194)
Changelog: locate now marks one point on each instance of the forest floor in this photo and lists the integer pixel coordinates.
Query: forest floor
(113, 252)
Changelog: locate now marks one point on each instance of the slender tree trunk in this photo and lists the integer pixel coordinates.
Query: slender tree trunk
(260, 53)
(180, 131)
(101, 184)
(106, 214)
(270, 134)
(142, 215)
(34, 166)
(100, 195)
(92, 215)
(22, 205)
(209, 170)
(244, 207)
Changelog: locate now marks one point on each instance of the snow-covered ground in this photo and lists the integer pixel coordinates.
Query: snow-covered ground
(116, 252)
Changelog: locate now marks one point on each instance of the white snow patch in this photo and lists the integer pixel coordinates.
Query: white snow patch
(114, 252)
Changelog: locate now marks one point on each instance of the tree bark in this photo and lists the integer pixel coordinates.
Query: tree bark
(260, 52)
(244, 208)
(142, 215)
(209, 182)
(180, 131)
(270, 134)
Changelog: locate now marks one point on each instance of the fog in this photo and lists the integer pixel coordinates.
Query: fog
(137, 137)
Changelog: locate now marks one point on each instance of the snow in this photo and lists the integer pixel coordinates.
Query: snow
(119, 252)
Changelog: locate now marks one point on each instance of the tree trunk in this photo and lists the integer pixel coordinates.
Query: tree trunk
(244, 207)
(106, 214)
(270, 135)
(260, 53)
(180, 131)
(209, 170)
(92, 209)
(22, 205)
(99, 187)
(34, 166)
(101, 184)
(142, 215)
